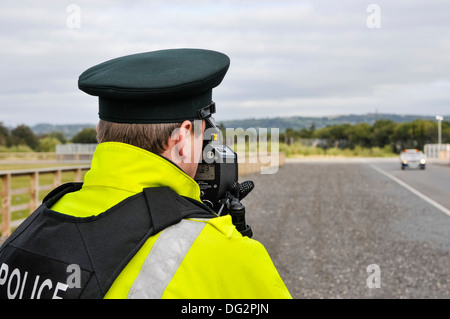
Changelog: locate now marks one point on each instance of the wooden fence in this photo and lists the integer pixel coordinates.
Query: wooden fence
(33, 190)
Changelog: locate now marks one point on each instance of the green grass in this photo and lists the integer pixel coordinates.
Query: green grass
(300, 150)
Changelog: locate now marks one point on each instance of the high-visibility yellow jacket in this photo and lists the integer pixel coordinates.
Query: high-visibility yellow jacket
(193, 259)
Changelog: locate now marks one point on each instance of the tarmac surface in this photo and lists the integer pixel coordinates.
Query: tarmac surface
(324, 222)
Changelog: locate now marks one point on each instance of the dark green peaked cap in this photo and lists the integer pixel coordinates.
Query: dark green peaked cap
(156, 87)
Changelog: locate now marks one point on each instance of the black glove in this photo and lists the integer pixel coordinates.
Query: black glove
(240, 190)
(234, 207)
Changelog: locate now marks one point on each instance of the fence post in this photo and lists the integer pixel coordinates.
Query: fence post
(57, 178)
(77, 177)
(6, 206)
(34, 191)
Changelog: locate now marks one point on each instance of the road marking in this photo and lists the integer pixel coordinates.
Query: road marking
(413, 190)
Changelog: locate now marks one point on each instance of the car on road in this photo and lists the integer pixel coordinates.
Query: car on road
(413, 158)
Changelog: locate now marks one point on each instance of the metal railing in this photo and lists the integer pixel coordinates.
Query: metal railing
(437, 151)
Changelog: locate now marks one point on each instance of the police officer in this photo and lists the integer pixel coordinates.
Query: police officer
(136, 227)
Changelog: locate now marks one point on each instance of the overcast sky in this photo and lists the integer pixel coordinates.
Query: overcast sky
(305, 58)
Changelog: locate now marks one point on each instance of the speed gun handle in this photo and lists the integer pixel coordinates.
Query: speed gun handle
(237, 213)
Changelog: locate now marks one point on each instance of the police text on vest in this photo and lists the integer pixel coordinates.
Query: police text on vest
(15, 281)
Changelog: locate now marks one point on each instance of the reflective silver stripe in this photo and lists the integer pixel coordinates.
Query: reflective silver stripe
(164, 258)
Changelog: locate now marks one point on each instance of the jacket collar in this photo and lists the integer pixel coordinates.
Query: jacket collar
(130, 168)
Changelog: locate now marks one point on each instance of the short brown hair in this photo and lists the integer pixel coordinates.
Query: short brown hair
(150, 137)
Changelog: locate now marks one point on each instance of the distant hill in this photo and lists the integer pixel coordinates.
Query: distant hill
(299, 122)
(69, 130)
(283, 123)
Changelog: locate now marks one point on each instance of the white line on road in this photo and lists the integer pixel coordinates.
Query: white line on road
(413, 190)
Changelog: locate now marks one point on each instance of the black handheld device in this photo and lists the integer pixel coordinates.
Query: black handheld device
(216, 173)
(217, 177)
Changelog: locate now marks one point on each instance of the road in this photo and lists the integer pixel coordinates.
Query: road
(325, 221)
(433, 182)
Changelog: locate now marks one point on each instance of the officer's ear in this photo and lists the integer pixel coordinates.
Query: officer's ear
(179, 143)
(185, 138)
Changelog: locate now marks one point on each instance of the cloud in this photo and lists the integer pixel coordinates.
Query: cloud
(287, 57)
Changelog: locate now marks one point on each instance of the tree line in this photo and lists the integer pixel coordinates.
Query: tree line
(23, 139)
(381, 133)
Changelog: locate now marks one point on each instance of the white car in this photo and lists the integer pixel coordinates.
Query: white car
(413, 158)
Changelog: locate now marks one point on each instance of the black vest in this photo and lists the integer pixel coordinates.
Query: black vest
(53, 255)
